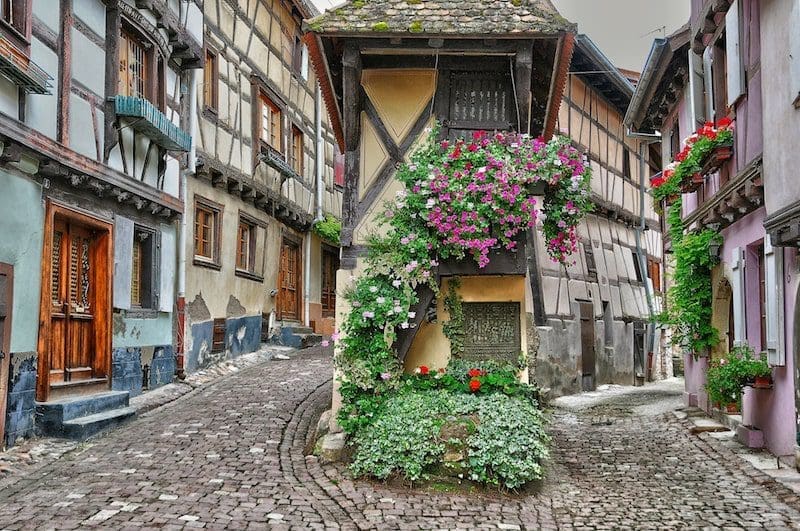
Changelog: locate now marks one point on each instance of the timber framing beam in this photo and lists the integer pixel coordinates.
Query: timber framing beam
(352, 106)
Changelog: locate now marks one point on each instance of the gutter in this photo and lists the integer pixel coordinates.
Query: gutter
(645, 80)
(318, 212)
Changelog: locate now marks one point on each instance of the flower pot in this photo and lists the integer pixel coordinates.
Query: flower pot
(716, 158)
(762, 382)
(733, 407)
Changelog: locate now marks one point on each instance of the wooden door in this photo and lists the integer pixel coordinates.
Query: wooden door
(71, 348)
(289, 278)
(587, 346)
(6, 300)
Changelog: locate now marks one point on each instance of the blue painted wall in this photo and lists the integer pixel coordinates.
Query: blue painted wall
(21, 403)
(127, 371)
(242, 335)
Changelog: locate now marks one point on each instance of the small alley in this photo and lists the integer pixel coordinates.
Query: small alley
(238, 461)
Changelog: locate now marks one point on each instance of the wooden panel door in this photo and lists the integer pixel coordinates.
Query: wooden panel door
(6, 300)
(71, 347)
(289, 278)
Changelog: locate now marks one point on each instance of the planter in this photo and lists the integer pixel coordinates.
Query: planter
(716, 159)
(671, 198)
(733, 407)
(762, 382)
(693, 183)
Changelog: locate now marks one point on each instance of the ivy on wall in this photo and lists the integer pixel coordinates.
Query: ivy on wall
(454, 328)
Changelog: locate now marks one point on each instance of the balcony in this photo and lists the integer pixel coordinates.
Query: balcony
(149, 121)
(23, 72)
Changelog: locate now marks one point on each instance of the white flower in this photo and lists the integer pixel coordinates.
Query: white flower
(411, 315)
(373, 289)
(404, 325)
(397, 309)
(430, 203)
(380, 300)
(397, 283)
(557, 162)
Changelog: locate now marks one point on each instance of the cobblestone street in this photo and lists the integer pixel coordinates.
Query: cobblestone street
(232, 455)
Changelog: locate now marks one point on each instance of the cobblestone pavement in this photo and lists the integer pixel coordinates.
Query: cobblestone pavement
(232, 455)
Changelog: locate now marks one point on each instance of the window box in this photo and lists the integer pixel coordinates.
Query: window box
(153, 123)
(23, 72)
(717, 158)
(274, 158)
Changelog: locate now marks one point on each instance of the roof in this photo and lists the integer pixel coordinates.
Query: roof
(597, 71)
(650, 101)
(506, 18)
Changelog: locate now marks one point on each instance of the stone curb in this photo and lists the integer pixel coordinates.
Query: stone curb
(783, 492)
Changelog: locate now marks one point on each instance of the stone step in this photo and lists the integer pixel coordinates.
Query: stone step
(298, 329)
(80, 406)
(84, 427)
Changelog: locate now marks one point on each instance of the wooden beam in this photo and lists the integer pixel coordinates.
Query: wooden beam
(351, 110)
(64, 81)
(561, 63)
(523, 70)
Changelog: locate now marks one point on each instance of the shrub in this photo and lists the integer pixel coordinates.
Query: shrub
(506, 446)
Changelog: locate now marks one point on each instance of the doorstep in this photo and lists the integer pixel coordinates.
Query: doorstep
(723, 429)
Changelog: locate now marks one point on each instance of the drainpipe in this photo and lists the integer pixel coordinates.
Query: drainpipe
(191, 166)
(320, 165)
(646, 139)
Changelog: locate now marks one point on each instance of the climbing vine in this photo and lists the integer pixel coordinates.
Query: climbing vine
(329, 229)
(690, 296)
(454, 328)
(458, 199)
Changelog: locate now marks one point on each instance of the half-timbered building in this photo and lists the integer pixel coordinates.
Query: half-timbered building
(265, 174)
(94, 121)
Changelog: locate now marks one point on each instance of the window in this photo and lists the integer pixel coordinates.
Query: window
(245, 246)
(296, 155)
(15, 15)
(207, 222)
(762, 296)
(210, 80)
(297, 54)
(142, 71)
(674, 142)
(591, 267)
(143, 294)
(637, 266)
(330, 264)
(626, 162)
(338, 166)
(218, 335)
(270, 126)
(134, 66)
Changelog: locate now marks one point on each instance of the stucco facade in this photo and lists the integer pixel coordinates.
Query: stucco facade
(93, 157)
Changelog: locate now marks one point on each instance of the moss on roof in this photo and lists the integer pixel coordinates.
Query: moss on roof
(442, 17)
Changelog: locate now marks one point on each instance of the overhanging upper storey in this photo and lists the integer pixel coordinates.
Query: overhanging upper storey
(525, 39)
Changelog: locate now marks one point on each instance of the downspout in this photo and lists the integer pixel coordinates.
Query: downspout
(646, 139)
(318, 214)
(191, 166)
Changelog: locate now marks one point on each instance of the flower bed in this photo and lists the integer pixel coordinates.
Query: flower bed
(459, 200)
(703, 152)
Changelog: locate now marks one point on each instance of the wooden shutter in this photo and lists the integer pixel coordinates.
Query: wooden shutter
(733, 53)
(738, 287)
(123, 262)
(218, 335)
(697, 89)
(167, 258)
(136, 273)
(708, 82)
(773, 276)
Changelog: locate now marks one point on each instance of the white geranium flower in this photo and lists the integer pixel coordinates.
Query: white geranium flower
(373, 289)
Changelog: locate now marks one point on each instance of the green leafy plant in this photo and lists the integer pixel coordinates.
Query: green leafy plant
(505, 441)
(690, 296)
(329, 229)
(453, 328)
(723, 385)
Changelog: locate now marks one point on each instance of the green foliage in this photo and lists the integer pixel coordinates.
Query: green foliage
(416, 26)
(493, 377)
(329, 229)
(380, 26)
(726, 377)
(506, 445)
(510, 443)
(690, 296)
(454, 328)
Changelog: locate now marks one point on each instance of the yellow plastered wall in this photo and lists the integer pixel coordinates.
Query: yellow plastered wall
(432, 348)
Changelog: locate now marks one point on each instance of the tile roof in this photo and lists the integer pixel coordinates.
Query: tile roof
(441, 17)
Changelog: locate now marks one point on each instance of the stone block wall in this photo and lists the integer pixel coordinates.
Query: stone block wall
(21, 404)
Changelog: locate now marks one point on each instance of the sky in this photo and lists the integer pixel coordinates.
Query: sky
(623, 29)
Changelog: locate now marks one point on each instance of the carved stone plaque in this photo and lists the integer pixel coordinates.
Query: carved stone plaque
(492, 331)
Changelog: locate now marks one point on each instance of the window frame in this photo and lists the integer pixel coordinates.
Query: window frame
(146, 239)
(155, 64)
(211, 86)
(297, 159)
(254, 271)
(19, 37)
(265, 99)
(217, 210)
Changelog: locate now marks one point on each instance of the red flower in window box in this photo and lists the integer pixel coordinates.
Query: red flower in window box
(474, 385)
(424, 370)
(724, 123)
(657, 181)
(474, 373)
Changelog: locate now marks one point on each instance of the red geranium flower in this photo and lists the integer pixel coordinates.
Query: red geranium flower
(724, 123)
(473, 373)
(423, 370)
(474, 385)
(681, 156)
(657, 181)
